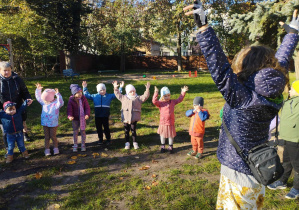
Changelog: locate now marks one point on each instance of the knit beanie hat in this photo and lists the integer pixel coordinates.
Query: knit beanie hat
(75, 88)
(100, 87)
(164, 91)
(198, 101)
(295, 85)
(8, 104)
(48, 95)
(129, 88)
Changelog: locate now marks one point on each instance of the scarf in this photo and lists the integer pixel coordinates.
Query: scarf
(132, 97)
(81, 115)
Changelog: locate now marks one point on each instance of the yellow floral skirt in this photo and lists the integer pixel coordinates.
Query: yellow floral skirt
(233, 196)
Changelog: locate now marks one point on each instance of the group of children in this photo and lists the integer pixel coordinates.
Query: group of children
(78, 111)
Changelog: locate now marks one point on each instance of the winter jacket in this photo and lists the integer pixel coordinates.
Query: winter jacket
(289, 120)
(248, 110)
(101, 103)
(167, 108)
(50, 112)
(131, 108)
(13, 123)
(73, 107)
(13, 89)
(197, 121)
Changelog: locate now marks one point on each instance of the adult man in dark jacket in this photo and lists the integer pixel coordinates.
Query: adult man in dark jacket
(13, 88)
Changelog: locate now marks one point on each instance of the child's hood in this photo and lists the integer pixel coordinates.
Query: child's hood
(267, 82)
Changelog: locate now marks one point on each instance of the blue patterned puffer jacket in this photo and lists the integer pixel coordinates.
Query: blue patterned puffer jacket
(247, 113)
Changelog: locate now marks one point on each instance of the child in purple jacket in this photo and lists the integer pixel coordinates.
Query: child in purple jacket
(78, 111)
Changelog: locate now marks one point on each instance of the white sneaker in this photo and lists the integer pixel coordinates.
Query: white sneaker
(75, 148)
(56, 151)
(83, 149)
(135, 144)
(47, 152)
(127, 145)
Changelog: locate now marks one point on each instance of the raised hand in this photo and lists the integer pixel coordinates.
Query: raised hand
(38, 86)
(86, 117)
(185, 89)
(56, 90)
(198, 12)
(156, 89)
(29, 102)
(84, 84)
(293, 27)
(148, 84)
(122, 84)
(115, 85)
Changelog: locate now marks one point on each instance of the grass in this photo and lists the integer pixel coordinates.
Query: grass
(189, 184)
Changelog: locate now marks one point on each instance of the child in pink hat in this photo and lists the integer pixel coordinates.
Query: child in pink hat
(50, 115)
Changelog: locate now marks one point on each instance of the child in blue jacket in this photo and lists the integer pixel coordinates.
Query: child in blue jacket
(12, 122)
(102, 101)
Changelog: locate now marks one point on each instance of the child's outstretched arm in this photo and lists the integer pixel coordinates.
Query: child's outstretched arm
(117, 94)
(182, 96)
(289, 43)
(146, 93)
(85, 91)
(226, 81)
(38, 93)
(24, 106)
(121, 85)
(155, 100)
(60, 101)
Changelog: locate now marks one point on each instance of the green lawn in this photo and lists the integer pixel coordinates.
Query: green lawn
(115, 181)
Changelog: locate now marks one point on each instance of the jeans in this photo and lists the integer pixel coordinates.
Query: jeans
(12, 138)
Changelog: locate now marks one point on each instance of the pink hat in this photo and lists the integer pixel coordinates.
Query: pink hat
(129, 88)
(48, 95)
(8, 104)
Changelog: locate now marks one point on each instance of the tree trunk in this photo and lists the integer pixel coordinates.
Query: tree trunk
(122, 58)
(69, 60)
(296, 64)
(179, 50)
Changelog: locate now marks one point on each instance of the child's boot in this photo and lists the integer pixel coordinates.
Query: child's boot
(9, 158)
(127, 145)
(135, 144)
(75, 148)
(25, 154)
(170, 149)
(47, 152)
(163, 148)
(56, 151)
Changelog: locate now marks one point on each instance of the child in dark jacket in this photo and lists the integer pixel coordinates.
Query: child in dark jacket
(102, 101)
(197, 126)
(12, 122)
(78, 111)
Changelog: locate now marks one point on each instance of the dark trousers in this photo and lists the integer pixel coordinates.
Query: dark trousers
(131, 127)
(290, 162)
(100, 123)
(4, 137)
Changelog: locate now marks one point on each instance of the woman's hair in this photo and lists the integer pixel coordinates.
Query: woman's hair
(4, 65)
(255, 58)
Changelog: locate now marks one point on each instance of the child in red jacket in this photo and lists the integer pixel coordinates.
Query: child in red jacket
(78, 111)
(197, 126)
(166, 106)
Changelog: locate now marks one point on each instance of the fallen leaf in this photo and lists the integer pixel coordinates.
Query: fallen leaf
(121, 178)
(137, 157)
(104, 154)
(125, 171)
(154, 175)
(155, 161)
(80, 155)
(74, 157)
(144, 168)
(147, 188)
(155, 183)
(38, 175)
(95, 154)
(71, 162)
(56, 206)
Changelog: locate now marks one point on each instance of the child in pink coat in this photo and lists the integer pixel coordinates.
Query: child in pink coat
(166, 106)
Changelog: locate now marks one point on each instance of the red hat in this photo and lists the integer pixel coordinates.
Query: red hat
(8, 104)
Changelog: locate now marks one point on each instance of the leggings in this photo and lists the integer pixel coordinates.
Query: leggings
(76, 126)
(170, 140)
(131, 127)
(100, 123)
(50, 132)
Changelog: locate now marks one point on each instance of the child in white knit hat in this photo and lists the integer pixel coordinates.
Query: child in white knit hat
(102, 101)
(131, 109)
(166, 106)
